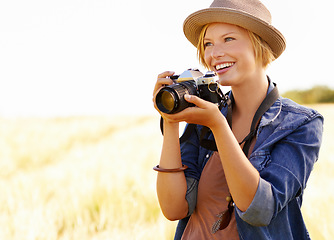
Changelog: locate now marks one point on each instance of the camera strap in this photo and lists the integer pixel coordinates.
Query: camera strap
(265, 105)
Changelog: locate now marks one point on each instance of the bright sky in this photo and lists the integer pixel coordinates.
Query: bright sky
(101, 57)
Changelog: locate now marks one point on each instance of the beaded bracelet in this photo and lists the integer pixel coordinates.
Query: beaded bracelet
(158, 169)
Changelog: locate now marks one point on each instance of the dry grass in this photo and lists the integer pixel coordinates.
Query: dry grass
(92, 178)
(80, 178)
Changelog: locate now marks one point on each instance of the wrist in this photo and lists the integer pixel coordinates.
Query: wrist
(219, 122)
(170, 124)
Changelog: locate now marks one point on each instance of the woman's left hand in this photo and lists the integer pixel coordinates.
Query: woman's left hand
(204, 113)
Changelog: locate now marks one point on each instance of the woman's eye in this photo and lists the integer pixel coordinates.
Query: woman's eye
(207, 44)
(229, 39)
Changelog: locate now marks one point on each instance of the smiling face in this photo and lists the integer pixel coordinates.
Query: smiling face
(228, 50)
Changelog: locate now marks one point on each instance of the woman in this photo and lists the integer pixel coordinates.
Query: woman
(251, 187)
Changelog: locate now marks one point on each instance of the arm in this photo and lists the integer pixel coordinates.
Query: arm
(241, 176)
(284, 171)
(171, 187)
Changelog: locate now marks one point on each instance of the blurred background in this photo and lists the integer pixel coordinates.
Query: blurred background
(101, 57)
(78, 132)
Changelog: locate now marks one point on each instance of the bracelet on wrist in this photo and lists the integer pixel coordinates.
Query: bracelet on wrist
(158, 169)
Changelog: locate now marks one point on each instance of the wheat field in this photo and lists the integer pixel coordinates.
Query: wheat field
(91, 178)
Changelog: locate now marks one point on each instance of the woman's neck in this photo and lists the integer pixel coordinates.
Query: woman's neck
(249, 96)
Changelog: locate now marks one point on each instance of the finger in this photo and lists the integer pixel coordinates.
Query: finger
(159, 85)
(196, 100)
(163, 79)
(166, 74)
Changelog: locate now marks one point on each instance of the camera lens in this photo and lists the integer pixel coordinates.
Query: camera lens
(167, 100)
(170, 99)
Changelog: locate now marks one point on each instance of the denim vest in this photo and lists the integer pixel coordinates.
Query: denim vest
(287, 146)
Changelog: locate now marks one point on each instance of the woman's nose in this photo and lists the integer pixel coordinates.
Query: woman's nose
(217, 52)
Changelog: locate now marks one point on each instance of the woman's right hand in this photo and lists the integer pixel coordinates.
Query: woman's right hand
(162, 80)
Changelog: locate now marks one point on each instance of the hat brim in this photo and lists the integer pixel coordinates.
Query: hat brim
(194, 23)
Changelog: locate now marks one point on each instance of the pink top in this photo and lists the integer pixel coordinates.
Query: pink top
(211, 200)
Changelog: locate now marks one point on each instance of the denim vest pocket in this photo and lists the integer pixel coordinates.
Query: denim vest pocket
(260, 159)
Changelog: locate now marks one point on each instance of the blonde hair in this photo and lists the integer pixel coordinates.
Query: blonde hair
(262, 51)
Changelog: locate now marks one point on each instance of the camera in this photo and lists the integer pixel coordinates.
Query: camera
(170, 99)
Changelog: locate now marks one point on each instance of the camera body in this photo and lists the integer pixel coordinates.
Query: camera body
(170, 99)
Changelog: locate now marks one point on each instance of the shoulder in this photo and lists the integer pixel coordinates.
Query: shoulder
(291, 107)
(286, 116)
(294, 114)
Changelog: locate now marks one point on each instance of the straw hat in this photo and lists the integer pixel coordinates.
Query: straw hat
(249, 14)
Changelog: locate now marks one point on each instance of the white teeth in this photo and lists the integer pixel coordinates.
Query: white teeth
(224, 65)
